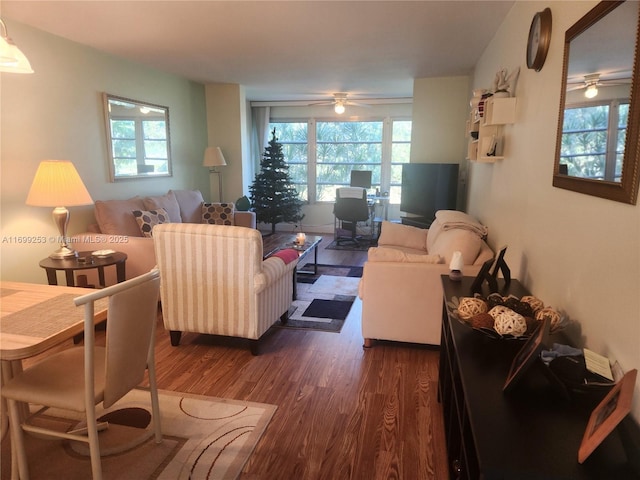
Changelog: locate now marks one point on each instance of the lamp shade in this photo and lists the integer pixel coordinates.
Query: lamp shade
(57, 184)
(12, 59)
(213, 157)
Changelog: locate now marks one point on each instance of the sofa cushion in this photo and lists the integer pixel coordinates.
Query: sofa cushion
(388, 254)
(169, 202)
(397, 234)
(114, 217)
(147, 219)
(190, 202)
(217, 213)
(464, 241)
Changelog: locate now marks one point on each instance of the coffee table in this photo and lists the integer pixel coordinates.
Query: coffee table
(279, 241)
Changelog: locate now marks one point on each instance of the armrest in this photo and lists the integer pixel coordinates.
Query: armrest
(245, 219)
(273, 269)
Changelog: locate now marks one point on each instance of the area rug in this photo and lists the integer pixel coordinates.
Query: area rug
(323, 305)
(362, 246)
(203, 438)
(306, 275)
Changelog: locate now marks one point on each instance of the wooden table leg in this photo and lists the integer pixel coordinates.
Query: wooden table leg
(121, 272)
(71, 280)
(52, 277)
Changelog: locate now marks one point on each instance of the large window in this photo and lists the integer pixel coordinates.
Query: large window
(322, 154)
(593, 140)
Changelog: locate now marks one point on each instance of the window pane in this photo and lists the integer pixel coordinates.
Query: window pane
(402, 131)
(154, 129)
(123, 129)
(293, 138)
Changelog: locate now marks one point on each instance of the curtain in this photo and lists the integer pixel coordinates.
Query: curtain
(259, 136)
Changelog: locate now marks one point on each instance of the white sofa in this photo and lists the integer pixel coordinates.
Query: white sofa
(401, 287)
(117, 229)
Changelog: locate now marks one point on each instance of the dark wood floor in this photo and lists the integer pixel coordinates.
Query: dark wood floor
(343, 412)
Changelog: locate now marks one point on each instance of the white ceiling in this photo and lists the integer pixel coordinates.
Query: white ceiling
(286, 50)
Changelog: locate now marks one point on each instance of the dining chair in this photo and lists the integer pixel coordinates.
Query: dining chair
(79, 378)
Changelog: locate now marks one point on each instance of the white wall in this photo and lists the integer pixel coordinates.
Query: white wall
(57, 113)
(578, 253)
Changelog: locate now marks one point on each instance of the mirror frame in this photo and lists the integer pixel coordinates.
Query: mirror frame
(107, 117)
(626, 190)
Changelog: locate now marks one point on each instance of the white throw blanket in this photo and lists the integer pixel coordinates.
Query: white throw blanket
(450, 219)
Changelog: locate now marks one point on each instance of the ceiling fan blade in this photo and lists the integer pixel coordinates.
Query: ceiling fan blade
(577, 87)
(329, 102)
(358, 104)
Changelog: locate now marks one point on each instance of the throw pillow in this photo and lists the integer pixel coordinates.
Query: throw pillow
(464, 241)
(169, 202)
(147, 219)
(114, 216)
(190, 202)
(384, 254)
(217, 213)
(403, 236)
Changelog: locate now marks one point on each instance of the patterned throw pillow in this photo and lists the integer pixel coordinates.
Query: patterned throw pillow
(147, 219)
(218, 213)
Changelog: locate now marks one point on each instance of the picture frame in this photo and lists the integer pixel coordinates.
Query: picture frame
(607, 415)
(484, 274)
(527, 355)
(501, 265)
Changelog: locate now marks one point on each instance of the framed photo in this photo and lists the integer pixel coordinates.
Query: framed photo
(501, 266)
(527, 355)
(483, 274)
(608, 414)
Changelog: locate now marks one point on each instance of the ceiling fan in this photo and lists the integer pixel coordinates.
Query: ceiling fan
(592, 81)
(339, 103)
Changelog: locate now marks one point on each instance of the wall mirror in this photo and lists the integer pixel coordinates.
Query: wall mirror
(598, 144)
(137, 138)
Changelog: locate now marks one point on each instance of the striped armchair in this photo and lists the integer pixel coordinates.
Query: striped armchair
(215, 281)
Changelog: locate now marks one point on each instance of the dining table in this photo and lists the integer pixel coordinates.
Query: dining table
(35, 318)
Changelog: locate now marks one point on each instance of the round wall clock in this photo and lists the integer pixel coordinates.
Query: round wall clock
(539, 39)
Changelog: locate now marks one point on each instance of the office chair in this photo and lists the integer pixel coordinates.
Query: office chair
(350, 208)
(79, 378)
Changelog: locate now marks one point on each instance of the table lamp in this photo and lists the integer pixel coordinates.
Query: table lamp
(213, 158)
(57, 183)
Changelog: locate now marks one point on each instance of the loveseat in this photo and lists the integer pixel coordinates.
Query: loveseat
(117, 228)
(401, 287)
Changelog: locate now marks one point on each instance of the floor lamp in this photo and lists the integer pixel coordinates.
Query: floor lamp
(213, 158)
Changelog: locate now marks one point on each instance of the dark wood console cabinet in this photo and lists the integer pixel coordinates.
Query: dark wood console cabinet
(530, 433)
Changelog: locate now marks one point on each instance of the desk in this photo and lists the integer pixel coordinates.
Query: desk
(71, 265)
(24, 333)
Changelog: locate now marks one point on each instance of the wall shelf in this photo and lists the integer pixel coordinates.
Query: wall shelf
(486, 145)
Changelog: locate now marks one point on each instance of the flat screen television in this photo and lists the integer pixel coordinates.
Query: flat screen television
(427, 188)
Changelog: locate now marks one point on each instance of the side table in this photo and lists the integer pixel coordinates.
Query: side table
(71, 265)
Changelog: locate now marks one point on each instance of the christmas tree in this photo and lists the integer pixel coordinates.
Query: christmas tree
(274, 198)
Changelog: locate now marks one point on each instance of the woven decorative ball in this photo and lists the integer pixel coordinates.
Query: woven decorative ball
(535, 302)
(551, 314)
(509, 322)
(498, 309)
(495, 299)
(470, 307)
(482, 320)
(523, 308)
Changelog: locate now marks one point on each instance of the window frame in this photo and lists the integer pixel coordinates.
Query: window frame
(386, 144)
